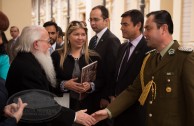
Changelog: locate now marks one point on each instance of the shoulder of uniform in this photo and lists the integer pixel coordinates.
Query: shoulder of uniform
(151, 51)
(185, 49)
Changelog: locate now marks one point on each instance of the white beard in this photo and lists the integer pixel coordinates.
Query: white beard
(47, 65)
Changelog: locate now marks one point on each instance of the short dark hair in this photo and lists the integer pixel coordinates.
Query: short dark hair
(50, 23)
(162, 17)
(136, 17)
(104, 11)
(15, 27)
(60, 31)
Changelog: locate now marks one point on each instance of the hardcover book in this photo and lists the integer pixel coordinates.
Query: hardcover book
(88, 74)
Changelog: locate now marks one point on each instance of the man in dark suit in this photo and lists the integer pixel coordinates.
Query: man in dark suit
(32, 68)
(165, 83)
(131, 27)
(53, 32)
(106, 45)
(10, 47)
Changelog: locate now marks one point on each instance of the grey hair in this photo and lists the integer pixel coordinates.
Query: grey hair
(29, 35)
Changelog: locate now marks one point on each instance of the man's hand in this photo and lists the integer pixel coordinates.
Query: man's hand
(15, 110)
(100, 115)
(84, 119)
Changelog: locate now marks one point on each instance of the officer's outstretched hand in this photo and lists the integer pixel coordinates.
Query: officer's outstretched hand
(100, 115)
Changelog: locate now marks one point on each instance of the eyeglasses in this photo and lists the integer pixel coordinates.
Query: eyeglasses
(94, 19)
(48, 41)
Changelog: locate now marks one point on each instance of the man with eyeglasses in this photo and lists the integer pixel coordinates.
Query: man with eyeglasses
(53, 32)
(106, 44)
(32, 68)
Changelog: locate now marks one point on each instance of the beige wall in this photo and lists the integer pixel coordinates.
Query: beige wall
(18, 12)
(192, 22)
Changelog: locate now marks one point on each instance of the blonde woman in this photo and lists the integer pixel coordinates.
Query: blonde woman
(68, 63)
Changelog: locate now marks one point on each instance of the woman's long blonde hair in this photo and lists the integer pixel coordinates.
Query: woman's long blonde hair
(67, 46)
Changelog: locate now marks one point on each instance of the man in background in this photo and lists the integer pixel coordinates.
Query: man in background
(106, 44)
(11, 45)
(60, 39)
(128, 64)
(53, 32)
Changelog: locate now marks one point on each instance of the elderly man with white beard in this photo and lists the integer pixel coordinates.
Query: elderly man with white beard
(33, 69)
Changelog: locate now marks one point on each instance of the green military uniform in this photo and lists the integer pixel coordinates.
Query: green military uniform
(170, 100)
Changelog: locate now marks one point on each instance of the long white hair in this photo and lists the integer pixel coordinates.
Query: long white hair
(28, 36)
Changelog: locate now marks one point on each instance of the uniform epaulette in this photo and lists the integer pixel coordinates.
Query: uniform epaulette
(185, 49)
(153, 50)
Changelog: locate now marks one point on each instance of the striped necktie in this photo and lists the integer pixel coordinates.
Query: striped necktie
(93, 43)
(124, 61)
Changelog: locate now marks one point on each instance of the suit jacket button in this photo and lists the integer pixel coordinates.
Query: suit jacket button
(150, 102)
(168, 89)
(150, 114)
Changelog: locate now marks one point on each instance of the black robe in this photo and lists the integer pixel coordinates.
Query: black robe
(26, 73)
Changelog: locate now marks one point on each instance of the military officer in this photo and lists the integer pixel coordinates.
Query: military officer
(165, 85)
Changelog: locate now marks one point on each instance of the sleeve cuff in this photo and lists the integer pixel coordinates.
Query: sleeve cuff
(109, 113)
(62, 88)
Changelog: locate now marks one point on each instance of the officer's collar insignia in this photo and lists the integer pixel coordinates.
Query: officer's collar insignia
(171, 51)
(185, 49)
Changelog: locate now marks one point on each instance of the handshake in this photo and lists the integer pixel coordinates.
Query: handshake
(81, 117)
(89, 120)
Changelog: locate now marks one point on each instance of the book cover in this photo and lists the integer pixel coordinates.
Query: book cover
(88, 74)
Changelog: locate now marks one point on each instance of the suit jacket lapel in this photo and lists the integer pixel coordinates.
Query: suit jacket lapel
(120, 61)
(136, 51)
(133, 56)
(100, 42)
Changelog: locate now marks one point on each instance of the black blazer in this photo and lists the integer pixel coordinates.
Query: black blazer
(107, 48)
(90, 101)
(26, 73)
(134, 115)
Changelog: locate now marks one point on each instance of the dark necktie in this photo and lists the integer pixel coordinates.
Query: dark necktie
(158, 58)
(125, 58)
(93, 43)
